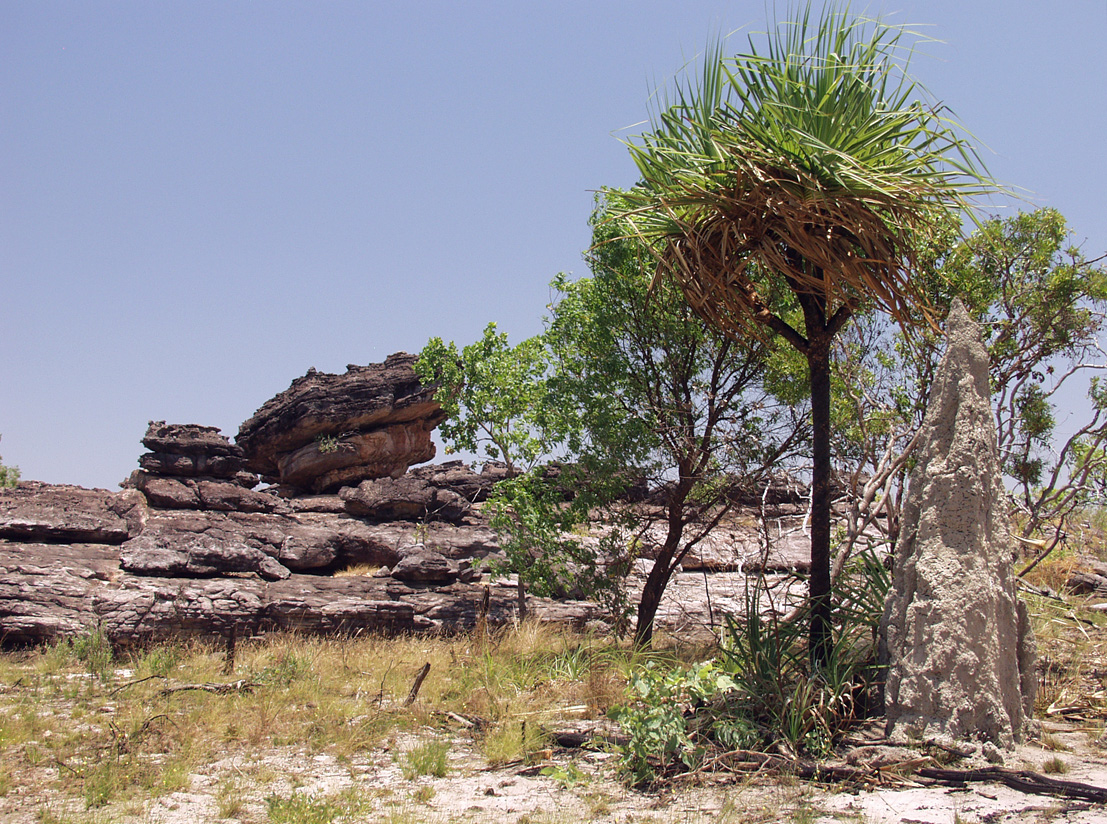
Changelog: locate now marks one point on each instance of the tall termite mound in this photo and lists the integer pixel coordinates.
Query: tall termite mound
(955, 636)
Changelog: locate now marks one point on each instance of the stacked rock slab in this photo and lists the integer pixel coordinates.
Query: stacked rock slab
(954, 635)
(327, 431)
(195, 467)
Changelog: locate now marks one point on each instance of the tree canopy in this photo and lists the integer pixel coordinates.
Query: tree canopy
(788, 186)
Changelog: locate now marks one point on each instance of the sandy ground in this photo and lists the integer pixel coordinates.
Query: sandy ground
(574, 786)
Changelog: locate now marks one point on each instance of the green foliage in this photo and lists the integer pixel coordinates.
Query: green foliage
(9, 475)
(326, 443)
(301, 808)
(1042, 307)
(490, 392)
(537, 525)
(682, 408)
(657, 723)
(92, 649)
(787, 187)
(762, 689)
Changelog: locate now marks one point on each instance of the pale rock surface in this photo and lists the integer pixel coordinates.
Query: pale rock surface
(954, 634)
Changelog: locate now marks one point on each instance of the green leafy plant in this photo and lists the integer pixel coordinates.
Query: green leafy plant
(327, 443)
(301, 808)
(567, 775)
(762, 689)
(657, 723)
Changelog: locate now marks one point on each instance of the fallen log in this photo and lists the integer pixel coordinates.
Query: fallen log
(1025, 781)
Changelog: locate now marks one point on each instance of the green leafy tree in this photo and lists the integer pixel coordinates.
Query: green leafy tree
(9, 475)
(641, 389)
(489, 391)
(636, 391)
(786, 189)
(1043, 309)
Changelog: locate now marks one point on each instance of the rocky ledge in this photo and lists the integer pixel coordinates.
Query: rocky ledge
(72, 559)
(344, 539)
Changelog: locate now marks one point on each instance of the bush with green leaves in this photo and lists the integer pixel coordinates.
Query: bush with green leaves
(664, 725)
(761, 692)
(9, 475)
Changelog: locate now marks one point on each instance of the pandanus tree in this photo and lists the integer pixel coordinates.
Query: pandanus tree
(787, 188)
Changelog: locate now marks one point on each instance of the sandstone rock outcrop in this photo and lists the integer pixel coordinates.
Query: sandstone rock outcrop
(326, 431)
(954, 635)
(189, 451)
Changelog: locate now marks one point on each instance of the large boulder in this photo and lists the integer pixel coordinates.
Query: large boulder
(954, 635)
(326, 431)
(459, 478)
(45, 589)
(202, 493)
(190, 450)
(422, 565)
(408, 498)
(191, 554)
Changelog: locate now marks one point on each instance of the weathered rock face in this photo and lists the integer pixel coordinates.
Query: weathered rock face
(50, 591)
(954, 634)
(193, 493)
(326, 431)
(457, 477)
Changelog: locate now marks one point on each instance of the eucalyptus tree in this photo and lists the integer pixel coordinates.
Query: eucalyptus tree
(640, 387)
(786, 188)
(627, 388)
(1042, 306)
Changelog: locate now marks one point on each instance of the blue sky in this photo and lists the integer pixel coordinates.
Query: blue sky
(200, 200)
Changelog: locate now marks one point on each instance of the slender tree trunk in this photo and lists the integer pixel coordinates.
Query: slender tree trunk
(651, 600)
(663, 565)
(821, 639)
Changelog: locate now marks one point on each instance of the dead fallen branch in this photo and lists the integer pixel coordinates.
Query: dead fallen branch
(1025, 781)
(122, 687)
(220, 689)
(751, 761)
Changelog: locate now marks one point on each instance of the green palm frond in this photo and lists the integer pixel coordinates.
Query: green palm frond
(813, 157)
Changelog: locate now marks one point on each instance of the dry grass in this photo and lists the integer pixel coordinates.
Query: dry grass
(75, 730)
(88, 740)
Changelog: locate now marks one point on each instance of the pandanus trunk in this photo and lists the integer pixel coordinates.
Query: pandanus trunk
(821, 639)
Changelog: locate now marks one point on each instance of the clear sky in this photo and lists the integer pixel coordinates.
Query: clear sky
(200, 200)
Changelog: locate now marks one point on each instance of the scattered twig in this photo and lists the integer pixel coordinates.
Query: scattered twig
(414, 693)
(380, 693)
(1026, 781)
(461, 719)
